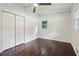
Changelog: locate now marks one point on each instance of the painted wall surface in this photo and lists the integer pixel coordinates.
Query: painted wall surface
(74, 31)
(31, 27)
(32, 19)
(58, 27)
(0, 32)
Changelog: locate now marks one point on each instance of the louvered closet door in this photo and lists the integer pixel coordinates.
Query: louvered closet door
(20, 35)
(8, 27)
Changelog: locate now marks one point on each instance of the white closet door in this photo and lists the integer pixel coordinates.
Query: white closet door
(0, 32)
(8, 30)
(19, 30)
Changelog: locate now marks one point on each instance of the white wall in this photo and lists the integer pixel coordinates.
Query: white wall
(75, 32)
(58, 27)
(31, 26)
(31, 21)
(0, 32)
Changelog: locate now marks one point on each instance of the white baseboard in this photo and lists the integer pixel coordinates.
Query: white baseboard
(74, 48)
(57, 40)
(30, 40)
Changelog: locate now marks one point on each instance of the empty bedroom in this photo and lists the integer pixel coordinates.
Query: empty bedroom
(39, 29)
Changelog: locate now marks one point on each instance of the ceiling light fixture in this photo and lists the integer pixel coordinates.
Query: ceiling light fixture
(35, 4)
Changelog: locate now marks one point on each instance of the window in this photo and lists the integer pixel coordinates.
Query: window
(44, 24)
(76, 18)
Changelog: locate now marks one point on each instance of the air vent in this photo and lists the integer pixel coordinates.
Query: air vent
(44, 3)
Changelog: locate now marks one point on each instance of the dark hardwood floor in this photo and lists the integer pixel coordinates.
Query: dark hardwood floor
(41, 47)
(0, 54)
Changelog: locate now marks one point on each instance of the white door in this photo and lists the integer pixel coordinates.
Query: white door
(19, 30)
(8, 23)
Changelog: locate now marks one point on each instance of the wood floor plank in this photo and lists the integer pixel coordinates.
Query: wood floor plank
(0, 54)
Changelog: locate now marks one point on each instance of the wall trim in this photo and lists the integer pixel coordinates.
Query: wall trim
(56, 40)
(74, 48)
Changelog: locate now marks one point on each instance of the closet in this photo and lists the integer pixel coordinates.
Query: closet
(12, 33)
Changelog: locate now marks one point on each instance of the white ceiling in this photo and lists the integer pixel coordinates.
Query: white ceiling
(45, 10)
(25, 4)
(54, 8)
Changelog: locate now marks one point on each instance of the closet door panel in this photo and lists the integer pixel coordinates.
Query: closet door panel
(19, 35)
(8, 32)
(19, 30)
